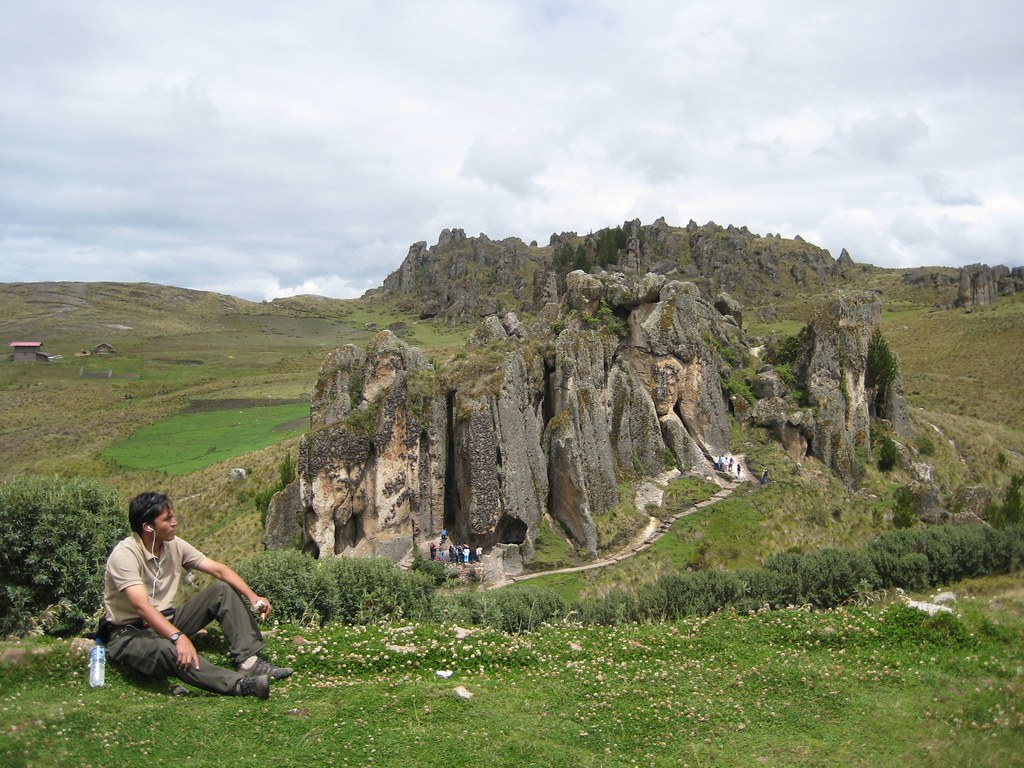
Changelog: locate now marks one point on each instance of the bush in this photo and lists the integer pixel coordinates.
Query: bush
(919, 558)
(522, 609)
(768, 586)
(1011, 510)
(434, 569)
(881, 372)
(786, 373)
(291, 580)
(286, 473)
(786, 351)
(346, 589)
(903, 512)
(696, 594)
(829, 577)
(887, 455)
(735, 386)
(887, 553)
(56, 537)
(368, 590)
(617, 607)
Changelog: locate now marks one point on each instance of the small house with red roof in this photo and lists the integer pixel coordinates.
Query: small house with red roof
(28, 351)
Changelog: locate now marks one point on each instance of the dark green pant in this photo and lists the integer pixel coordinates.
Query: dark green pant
(155, 656)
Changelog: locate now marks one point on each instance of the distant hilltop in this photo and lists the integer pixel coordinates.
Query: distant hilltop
(466, 278)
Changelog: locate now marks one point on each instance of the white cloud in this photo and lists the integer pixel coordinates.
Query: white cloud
(303, 148)
(940, 190)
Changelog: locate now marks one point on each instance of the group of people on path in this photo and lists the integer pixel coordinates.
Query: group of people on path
(454, 553)
(730, 466)
(734, 468)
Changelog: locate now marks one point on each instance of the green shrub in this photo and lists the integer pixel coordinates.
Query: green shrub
(768, 587)
(291, 580)
(887, 455)
(56, 537)
(887, 553)
(520, 609)
(617, 607)
(786, 351)
(783, 562)
(881, 371)
(373, 589)
(460, 608)
(1011, 510)
(286, 474)
(345, 589)
(695, 594)
(433, 569)
(829, 577)
(949, 553)
(785, 372)
(523, 609)
(903, 514)
(925, 445)
(735, 385)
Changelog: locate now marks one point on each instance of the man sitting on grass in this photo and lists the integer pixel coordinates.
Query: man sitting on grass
(142, 628)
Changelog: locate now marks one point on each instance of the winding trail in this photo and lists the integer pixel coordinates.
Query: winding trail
(651, 534)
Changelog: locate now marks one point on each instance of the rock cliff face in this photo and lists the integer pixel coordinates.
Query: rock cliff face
(547, 421)
(979, 284)
(831, 368)
(463, 277)
(526, 423)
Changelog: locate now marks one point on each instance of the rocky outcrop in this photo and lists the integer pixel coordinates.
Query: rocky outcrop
(729, 307)
(623, 382)
(527, 423)
(359, 476)
(970, 504)
(285, 516)
(831, 373)
(464, 278)
(979, 284)
(833, 368)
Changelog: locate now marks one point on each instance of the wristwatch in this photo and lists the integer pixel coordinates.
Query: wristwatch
(174, 638)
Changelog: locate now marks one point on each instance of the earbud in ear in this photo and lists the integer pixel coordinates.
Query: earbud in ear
(147, 528)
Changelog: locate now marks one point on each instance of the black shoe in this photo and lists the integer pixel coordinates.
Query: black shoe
(254, 686)
(263, 667)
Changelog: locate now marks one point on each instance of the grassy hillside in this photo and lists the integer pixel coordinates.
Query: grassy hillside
(179, 352)
(857, 686)
(185, 360)
(875, 685)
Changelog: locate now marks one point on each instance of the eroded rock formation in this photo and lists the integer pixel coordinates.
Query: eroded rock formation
(547, 421)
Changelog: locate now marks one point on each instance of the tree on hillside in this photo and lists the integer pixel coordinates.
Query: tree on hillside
(882, 370)
(1011, 510)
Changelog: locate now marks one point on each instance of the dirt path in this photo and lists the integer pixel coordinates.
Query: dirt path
(654, 531)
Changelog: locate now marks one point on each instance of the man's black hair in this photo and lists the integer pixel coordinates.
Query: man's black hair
(145, 508)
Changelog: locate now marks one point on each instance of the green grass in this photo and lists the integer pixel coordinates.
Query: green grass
(182, 444)
(851, 687)
(966, 364)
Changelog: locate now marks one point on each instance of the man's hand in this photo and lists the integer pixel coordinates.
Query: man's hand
(187, 655)
(260, 606)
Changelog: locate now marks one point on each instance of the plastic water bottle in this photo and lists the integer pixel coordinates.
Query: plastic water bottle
(97, 665)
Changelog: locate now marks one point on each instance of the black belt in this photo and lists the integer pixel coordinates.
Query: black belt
(108, 629)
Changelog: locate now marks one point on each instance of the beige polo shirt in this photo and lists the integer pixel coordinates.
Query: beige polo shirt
(131, 563)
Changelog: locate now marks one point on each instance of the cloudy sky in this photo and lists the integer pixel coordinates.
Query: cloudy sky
(264, 149)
